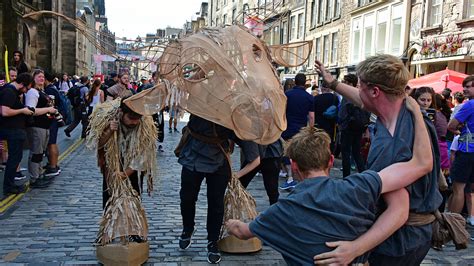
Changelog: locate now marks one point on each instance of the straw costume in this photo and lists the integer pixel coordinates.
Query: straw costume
(127, 148)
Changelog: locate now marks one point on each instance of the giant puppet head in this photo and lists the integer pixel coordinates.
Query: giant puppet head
(228, 79)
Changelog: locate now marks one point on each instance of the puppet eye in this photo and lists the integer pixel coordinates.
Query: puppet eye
(257, 52)
(193, 72)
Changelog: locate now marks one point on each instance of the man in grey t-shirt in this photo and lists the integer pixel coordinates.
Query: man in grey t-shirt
(381, 90)
(323, 209)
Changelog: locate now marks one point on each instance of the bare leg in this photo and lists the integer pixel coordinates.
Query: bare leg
(53, 153)
(456, 201)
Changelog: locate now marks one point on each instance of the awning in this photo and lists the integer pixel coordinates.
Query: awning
(440, 80)
(462, 58)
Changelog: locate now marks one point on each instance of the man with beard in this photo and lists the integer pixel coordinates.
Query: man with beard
(120, 89)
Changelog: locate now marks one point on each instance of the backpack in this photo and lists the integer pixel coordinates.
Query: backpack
(74, 95)
(64, 107)
(358, 118)
(331, 111)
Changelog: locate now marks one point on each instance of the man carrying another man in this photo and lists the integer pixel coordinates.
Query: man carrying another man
(322, 216)
(382, 83)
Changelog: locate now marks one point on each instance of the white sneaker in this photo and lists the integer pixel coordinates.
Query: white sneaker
(283, 174)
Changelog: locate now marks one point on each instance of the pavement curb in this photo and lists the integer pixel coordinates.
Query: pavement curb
(8, 202)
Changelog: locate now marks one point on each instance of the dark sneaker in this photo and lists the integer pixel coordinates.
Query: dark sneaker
(136, 239)
(68, 134)
(19, 176)
(185, 239)
(176, 130)
(15, 190)
(52, 171)
(40, 183)
(160, 148)
(170, 130)
(213, 254)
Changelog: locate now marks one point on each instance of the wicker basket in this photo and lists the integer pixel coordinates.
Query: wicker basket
(119, 254)
(231, 244)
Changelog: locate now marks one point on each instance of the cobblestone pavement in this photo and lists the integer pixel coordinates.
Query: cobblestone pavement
(57, 225)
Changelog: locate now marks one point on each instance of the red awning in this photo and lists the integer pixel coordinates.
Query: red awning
(440, 80)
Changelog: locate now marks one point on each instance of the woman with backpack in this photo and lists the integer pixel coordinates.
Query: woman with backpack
(95, 96)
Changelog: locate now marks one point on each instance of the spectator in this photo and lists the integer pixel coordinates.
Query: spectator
(462, 169)
(458, 101)
(353, 122)
(382, 85)
(299, 113)
(12, 128)
(52, 168)
(12, 73)
(38, 129)
(19, 62)
(64, 84)
(95, 96)
(120, 89)
(322, 120)
(446, 93)
(114, 79)
(468, 190)
(77, 97)
(324, 209)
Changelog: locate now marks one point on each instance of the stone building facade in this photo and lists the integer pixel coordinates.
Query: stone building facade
(441, 36)
(40, 39)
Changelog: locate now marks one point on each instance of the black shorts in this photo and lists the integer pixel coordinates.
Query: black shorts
(462, 170)
(53, 133)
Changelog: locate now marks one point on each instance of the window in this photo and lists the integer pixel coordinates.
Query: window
(318, 49)
(470, 9)
(338, 8)
(284, 32)
(363, 2)
(435, 12)
(217, 5)
(224, 19)
(335, 43)
(276, 35)
(355, 40)
(396, 35)
(314, 13)
(217, 21)
(329, 10)
(321, 11)
(381, 38)
(368, 34)
(326, 49)
(300, 26)
(234, 12)
(396, 30)
(292, 27)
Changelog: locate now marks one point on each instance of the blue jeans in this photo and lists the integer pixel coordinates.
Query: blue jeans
(15, 138)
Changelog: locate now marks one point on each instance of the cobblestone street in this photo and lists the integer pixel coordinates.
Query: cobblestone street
(57, 225)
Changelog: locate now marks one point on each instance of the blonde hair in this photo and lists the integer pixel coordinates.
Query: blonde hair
(310, 149)
(386, 72)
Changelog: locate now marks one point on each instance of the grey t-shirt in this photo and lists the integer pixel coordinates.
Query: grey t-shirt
(200, 156)
(319, 210)
(424, 195)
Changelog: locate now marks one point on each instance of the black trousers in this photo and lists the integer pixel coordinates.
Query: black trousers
(411, 258)
(79, 117)
(137, 184)
(350, 145)
(216, 186)
(270, 168)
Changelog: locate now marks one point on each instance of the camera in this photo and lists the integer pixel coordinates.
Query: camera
(57, 115)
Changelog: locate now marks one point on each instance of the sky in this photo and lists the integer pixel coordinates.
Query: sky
(139, 17)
